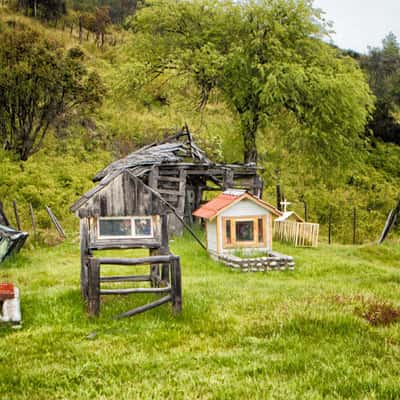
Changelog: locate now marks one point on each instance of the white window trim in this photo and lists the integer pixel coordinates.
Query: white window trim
(133, 228)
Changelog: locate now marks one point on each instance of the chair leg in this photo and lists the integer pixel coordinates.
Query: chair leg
(176, 285)
(93, 305)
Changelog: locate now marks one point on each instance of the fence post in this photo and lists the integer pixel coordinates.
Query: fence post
(278, 197)
(16, 215)
(305, 211)
(33, 221)
(330, 226)
(93, 305)
(354, 225)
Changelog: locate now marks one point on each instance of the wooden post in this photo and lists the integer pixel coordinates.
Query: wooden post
(305, 211)
(55, 222)
(3, 217)
(154, 274)
(172, 208)
(278, 197)
(228, 179)
(16, 215)
(164, 249)
(176, 285)
(354, 225)
(85, 253)
(330, 226)
(80, 19)
(93, 305)
(33, 221)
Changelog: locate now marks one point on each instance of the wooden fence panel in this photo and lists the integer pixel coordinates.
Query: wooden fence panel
(300, 234)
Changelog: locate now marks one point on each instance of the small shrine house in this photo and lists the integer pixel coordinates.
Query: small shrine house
(237, 220)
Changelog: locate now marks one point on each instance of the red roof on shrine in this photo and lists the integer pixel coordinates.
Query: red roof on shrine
(228, 198)
(211, 209)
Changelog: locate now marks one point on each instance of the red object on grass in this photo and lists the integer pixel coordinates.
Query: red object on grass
(6, 291)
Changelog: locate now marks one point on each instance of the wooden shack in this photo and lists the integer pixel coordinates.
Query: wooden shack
(177, 170)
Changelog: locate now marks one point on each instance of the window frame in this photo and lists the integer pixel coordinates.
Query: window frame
(236, 243)
(133, 228)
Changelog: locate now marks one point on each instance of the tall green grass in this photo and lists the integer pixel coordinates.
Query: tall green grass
(280, 335)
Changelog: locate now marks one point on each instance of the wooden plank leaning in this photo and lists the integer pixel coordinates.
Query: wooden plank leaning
(53, 218)
(172, 208)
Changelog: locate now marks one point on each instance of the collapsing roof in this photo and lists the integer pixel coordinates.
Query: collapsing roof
(227, 199)
(169, 151)
(178, 152)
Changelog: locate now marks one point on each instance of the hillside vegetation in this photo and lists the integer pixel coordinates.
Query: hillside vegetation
(135, 112)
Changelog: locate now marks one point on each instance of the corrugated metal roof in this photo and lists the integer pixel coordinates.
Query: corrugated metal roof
(178, 149)
(235, 192)
(172, 150)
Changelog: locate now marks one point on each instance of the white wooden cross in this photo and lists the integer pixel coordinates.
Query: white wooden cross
(285, 204)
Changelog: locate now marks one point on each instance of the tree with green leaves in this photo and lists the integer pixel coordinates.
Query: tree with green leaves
(119, 9)
(49, 10)
(40, 84)
(265, 58)
(383, 70)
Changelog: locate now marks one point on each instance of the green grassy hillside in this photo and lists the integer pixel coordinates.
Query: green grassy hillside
(132, 115)
(282, 335)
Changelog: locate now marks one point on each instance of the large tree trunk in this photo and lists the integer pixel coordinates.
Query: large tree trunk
(249, 132)
(80, 28)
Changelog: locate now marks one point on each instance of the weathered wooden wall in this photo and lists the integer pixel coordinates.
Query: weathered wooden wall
(124, 196)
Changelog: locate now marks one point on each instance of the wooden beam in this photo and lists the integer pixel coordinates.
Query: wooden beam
(17, 220)
(391, 220)
(169, 179)
(137, 261)
(146, 307)
(135, 290)
(3, 215)
(176, 284)
(53, 218)
(172, 208)
(126, 278)
(33, 222)
(171, 192)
